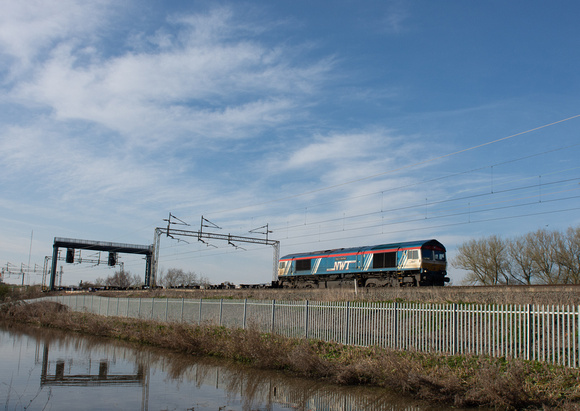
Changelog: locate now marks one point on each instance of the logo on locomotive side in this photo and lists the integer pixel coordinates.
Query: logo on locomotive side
(341, 265)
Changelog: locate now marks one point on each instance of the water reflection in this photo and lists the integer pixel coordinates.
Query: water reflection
(44, 369)
(84, 376)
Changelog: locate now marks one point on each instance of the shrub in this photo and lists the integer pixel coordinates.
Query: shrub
(5, 291)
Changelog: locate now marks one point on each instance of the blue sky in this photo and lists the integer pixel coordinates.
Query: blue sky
(336, 123)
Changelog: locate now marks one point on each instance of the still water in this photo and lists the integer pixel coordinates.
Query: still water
(44, 369)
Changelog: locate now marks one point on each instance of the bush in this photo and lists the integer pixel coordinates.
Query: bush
(5, 292)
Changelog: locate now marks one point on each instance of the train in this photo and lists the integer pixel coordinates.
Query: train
(404, 264)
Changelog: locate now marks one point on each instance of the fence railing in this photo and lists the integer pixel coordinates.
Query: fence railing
(531, 332)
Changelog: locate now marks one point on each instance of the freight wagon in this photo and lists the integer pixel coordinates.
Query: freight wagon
(413, 263)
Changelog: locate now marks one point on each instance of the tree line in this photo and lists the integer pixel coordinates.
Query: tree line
(540, 257)
(174, 277)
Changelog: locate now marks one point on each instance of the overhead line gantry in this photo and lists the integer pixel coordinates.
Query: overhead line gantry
(113, 248)
(201, 235)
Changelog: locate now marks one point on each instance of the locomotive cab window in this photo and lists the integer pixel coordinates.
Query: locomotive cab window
(385, 260)
(439, 255)
(427, 254)
(303, 265)
(282, 265)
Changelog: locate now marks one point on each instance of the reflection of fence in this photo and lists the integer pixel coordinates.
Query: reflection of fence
(531, 332)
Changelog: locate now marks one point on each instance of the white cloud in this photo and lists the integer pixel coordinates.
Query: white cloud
(177, 89)
(336, 148)
(95, 129)
(339, 158)
(29, 27)
(396, 17)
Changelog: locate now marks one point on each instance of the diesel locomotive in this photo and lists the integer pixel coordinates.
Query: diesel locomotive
(413, 263)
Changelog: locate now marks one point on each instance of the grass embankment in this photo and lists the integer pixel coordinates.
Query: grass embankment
(517, 295)
(455, 380)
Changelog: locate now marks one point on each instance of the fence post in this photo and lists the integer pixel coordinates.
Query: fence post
(396, 325)
(576, 364)
(182, 304)
(306, 319)
(528, 329)
(139, 309)
(347, 322)
(245, 313)
(273, 314)
(199, 319)
(152, 306)
(221, 310)
(166, 308)
(455, 330)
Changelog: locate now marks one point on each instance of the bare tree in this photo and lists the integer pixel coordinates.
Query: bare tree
(175, 277)
(137, 281)
(522, 266)
(543, 256)
(204, 281)
(485, 260)
(121, 279)
(541, 246)
(567, 254)
(469, 258)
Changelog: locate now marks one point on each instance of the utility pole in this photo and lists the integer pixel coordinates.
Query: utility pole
(29, 253)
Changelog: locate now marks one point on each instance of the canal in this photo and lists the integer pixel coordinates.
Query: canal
(43, 369)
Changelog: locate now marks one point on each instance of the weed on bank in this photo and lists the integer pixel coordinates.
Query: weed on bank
(462, 381)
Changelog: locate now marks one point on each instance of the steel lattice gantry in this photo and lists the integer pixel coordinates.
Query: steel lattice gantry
(146, 250)
(231, 239)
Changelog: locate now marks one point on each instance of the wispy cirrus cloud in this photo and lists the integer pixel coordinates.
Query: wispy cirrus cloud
(199, 86)
(125, 128)
(28, 29)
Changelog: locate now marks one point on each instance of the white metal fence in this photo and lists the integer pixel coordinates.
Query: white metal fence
(531, 332)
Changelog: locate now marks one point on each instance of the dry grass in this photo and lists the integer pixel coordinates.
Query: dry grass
(548, 295)
(10, 292)
(453, 380)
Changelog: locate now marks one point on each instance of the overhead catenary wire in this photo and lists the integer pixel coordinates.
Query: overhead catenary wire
(195, 254)
(429, 203)
(190, 255)
(421, 219)
(431, 180)
(473, 211)
(433, 202)
(404, 167)
(383, 223)
(421, 163)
